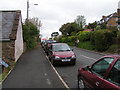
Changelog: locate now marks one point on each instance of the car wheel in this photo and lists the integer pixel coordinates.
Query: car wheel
(81, 85)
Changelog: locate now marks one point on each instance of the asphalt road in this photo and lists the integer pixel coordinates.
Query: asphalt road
(33, 71)
(69, 73)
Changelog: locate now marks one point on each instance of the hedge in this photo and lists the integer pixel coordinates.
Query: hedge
(102, 39)
(84, 35)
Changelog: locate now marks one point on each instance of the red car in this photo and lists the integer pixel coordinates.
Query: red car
(104, 73)
(61, 53)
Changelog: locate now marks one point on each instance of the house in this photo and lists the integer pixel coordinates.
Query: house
(110, 20)
(11, 37)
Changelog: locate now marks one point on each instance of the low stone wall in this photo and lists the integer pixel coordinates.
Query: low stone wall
(8, 51)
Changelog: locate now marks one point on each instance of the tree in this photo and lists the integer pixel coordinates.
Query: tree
(81, 21)
(30, 33)
(92, 25)
(68, 28)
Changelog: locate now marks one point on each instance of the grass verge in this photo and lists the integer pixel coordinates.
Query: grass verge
(85, 45)
(6, 72)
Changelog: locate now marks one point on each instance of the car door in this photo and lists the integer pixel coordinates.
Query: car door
(113, 79)
(95, 76)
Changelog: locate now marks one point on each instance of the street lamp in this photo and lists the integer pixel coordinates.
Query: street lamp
(28, 5)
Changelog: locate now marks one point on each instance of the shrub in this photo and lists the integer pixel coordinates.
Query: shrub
(30, 32)
(114, 48)
(71, 39)
(64, 39)
(84, 35)
(118, 35)
(102, 39)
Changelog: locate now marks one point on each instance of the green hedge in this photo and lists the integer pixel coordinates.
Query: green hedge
(102, 39)
(118, 34)
(84, 35)
(71, 39)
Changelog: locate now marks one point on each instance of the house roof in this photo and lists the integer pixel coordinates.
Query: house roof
(8, 24)
(107, 18)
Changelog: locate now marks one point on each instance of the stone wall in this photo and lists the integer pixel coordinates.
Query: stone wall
(8, 51)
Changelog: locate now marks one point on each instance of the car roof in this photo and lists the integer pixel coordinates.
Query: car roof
(113, 56)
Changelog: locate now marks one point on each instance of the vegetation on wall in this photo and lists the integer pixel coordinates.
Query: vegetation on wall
(30, 33)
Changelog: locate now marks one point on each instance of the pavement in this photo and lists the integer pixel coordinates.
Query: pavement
(33, 70)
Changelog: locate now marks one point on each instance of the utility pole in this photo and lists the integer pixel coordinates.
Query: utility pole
(27, 9)
(28, 5)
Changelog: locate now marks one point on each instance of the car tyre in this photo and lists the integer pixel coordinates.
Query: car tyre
(81, 84)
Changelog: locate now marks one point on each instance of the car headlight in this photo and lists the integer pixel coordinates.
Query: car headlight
(73, 56)
(56, 57)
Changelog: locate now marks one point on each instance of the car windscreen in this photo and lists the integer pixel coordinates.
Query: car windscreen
(61, 48)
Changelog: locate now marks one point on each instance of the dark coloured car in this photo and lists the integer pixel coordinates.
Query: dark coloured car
(104, 73)
(48, 44)
(61, 53)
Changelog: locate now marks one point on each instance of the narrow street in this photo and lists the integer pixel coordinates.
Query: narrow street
(33, 71)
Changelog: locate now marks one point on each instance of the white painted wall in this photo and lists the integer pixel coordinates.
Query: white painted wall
(19, 41)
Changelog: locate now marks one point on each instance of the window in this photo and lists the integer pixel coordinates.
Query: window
(114, 75)
(101, 66)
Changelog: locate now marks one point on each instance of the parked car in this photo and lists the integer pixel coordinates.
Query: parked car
(48, 44)
(104, 73)
(61, 53)
(43, 43)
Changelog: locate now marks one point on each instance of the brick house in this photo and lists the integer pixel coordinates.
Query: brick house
(11, 37)
(110, 20)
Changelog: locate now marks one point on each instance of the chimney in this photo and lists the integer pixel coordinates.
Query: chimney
(103, 17)
(118, 12)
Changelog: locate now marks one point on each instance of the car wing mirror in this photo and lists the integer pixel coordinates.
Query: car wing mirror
(87, 68)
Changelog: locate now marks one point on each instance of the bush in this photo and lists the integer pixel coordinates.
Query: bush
(84, 35)
(30, 33)
(64, 40)
(118, 35)
(71, 39)
(114, 48)
(102, 39)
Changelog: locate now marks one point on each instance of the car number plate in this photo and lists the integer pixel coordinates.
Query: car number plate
(65, 60)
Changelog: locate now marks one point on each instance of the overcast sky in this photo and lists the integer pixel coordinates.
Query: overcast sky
(54, 13)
